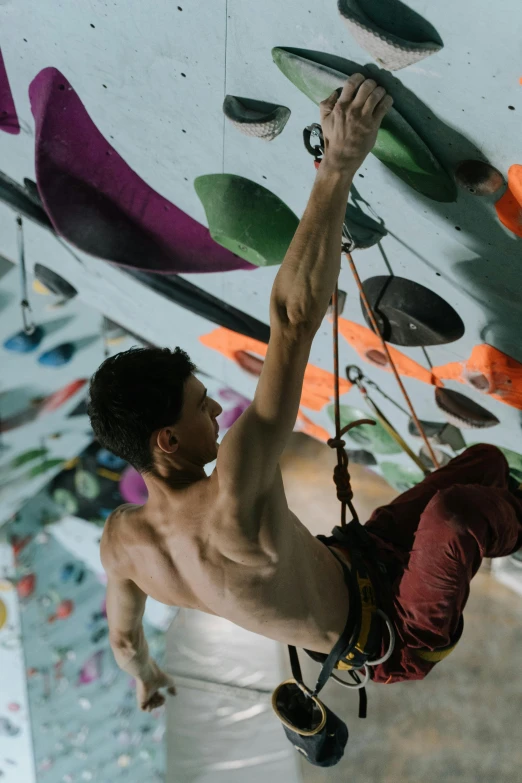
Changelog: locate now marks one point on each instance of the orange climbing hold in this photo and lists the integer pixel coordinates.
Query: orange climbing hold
(490, 371)
(369, 348)
(318, 384)
(509, 207)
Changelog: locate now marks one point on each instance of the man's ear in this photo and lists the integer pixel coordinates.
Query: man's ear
(167, 441)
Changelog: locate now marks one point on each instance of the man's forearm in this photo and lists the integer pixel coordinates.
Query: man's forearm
(132, 654)
(306, 280)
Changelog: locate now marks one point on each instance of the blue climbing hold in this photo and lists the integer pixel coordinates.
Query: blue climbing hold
(66, 572)
(25, 343)
(108, 460)
(58, 356)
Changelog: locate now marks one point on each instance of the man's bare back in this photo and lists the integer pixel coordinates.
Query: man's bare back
(290, 588)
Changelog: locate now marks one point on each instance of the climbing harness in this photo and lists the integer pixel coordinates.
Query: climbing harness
(28, 323)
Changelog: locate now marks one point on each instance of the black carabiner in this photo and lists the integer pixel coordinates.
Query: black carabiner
(354, 374)
(316, 131)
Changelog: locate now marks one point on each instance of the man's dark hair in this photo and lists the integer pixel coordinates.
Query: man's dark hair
(134, 393)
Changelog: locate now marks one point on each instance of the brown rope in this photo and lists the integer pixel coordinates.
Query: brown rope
(376, 329)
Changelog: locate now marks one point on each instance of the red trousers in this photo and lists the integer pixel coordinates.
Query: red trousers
(433, 539)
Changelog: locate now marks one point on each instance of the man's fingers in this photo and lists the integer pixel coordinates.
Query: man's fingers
(363, 93)
(172, 691)
(383, 107)
(326, 106)
(350, 88)
(155, 701)
(373, 99)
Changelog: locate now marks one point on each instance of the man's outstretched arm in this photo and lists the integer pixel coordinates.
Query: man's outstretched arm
(251, 449)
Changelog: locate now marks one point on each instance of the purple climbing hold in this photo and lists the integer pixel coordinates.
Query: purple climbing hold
(8, 117)
(91, 671)
(98, 203)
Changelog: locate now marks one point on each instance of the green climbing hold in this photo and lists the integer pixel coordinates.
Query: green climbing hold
(401, 478)
(44, 466)
(371, 436)
(398, 145)
(246, 218)
(27, 456)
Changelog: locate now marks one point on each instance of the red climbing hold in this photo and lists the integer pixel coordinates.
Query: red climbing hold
(509, 207)
(26, 586)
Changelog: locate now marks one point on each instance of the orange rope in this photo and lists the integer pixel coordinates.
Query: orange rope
(389, 357)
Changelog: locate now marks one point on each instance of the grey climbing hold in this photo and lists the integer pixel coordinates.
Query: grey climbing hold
(392, 33)
(442, 457)
(463, 412)
(256, 118)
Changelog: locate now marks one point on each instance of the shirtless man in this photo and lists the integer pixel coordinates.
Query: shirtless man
(228, 544)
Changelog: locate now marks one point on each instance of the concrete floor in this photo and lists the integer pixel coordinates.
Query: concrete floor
(461, 724)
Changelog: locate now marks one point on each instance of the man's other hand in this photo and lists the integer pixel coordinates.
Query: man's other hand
(148, 689)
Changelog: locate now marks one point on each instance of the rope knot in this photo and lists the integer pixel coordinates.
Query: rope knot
(341, 478)
(336, 443)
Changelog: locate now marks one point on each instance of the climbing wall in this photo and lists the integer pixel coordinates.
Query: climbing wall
(118, 113)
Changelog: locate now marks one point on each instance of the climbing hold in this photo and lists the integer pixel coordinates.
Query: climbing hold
(391, 32)
(66, 500)
(24, 343)
(92, 669)
(132, 487)
(373, 437)
(246, 218)
(8, 117)
(8, 729)
(113, 333)
(463, 412)
(361, 457)
(27, 456)
(439, 432)
(85, 704)
(58, 356)
(256, 118)
(252, 364)
(43, 467)
(54, 283)
(398, 145)
(67, 571)
(509, 207)
(56, 400)
(490, 371)
(99, 204)
(401, 478)
(3, 614)
(407, 313)
(26, 586)
(87, 484)
(109, 460)
(341, 301)
(478, 177)
(442, 457)
(364, 230)
(63, 610)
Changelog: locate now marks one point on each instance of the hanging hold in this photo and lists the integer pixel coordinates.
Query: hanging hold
(256, 118)
(441, 433)
(391, 32)
(58, 356)
(21, 342)
(478, 177)
(407, 313)
(463, 412)
(53, 282)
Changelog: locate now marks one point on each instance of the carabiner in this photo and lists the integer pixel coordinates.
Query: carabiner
(316, 131)
(354, 374)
